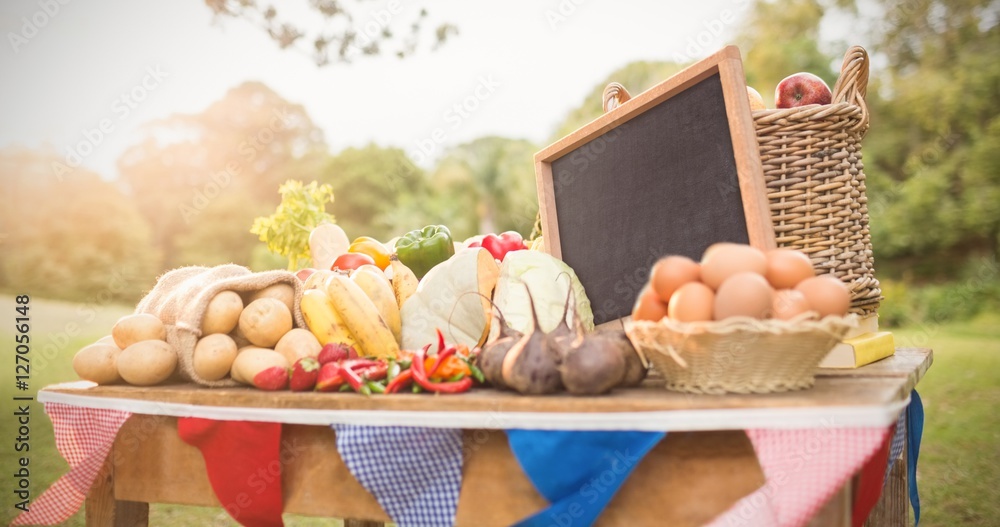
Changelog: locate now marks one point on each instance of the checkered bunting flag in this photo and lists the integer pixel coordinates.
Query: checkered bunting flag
(84, 437)
(414, 473)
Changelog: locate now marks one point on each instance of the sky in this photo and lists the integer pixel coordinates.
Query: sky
(86, 75)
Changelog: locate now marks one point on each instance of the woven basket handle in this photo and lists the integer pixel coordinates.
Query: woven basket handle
(614, 96)
(852, 86)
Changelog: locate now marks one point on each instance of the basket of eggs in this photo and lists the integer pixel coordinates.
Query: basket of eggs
(741, 320)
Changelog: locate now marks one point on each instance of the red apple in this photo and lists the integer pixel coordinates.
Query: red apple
(801, 89)
(303, 274)
(756, 101)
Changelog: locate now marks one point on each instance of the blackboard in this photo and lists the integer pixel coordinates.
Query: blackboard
(671, 171)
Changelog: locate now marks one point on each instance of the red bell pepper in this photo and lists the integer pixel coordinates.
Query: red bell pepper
(500, 245)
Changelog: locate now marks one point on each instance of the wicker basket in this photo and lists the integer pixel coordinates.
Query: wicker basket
(815, 179)
(740, 354)
(816, 182)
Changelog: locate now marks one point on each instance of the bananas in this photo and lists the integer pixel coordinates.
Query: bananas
(315, 280)
(376, 286)
(323, 320)
(404, 282)
(372, 334)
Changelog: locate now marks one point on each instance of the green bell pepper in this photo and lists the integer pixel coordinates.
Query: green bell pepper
(424, 248)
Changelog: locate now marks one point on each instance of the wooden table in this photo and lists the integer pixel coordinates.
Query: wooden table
(702, 467)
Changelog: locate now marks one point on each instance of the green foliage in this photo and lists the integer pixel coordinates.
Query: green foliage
(302, 208)
(489, 185)
(973, 291)
(218, 235)
(934, 147)
(373, 183)
(78, 239)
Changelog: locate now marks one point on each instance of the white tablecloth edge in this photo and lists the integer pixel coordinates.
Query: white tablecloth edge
(805, 417)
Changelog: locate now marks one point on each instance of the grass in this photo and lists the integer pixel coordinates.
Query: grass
(959, 471)
(959, 467)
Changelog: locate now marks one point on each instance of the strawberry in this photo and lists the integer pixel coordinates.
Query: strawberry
(329, 379)
(304, 374)
(273, 378)
(336, 352)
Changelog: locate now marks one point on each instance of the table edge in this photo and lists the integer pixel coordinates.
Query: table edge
(867, 416)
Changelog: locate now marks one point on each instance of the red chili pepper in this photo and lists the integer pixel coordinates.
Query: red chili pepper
(374, 373)
(440, 340)
(353, 378)
(404, 379)
(357, 364)
(500, 245)
(420, 376)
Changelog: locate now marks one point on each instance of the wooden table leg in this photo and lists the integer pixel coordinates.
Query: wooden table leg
(893, 508)
(837, 511)
(102, 509)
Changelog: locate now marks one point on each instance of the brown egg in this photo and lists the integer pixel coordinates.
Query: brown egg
(787, 267)
(715, 247)
(745, 294)
(670, 273)
(692, 302)
(826, 295)
(788, 303)
(723, 260)
(648, 306)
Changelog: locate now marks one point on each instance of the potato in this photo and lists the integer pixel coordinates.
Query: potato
(280, 291)
(222, 313)
(96, 363)
(298, 343)
(213, 356)
(264, 321)
(252, 360)
(107, 339)
(136, 328)
(147, 362)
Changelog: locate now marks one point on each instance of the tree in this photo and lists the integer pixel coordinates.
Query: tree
(372, 183)
(935, 136)
(190, 174)
(490, 184)
(78, 239)
(346, 33)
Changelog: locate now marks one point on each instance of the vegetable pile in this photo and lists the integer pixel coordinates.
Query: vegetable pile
(420, 313)
(338, 368)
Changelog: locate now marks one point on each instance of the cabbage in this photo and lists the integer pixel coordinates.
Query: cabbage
(549, 279)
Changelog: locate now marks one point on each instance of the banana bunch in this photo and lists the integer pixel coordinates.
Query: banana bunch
(323, 320)
(360, 309)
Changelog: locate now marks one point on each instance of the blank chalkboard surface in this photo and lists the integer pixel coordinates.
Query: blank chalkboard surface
(671, 171)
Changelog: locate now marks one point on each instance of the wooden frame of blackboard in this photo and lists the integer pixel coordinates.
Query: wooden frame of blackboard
(727, 66)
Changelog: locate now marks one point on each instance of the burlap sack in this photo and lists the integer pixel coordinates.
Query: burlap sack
(181, 296)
